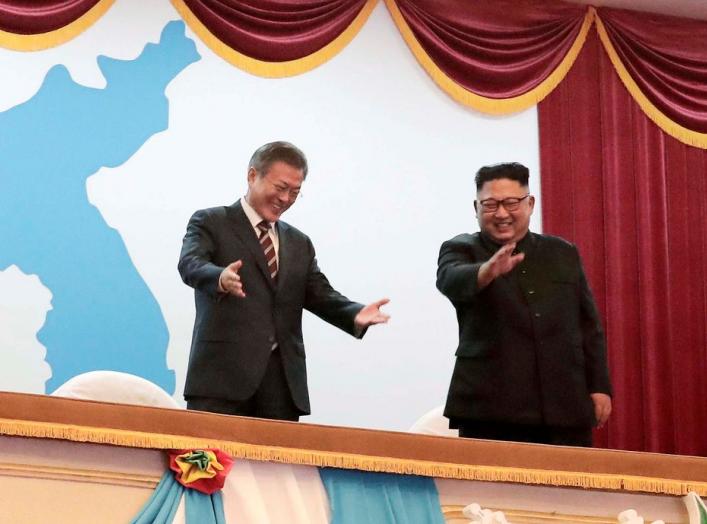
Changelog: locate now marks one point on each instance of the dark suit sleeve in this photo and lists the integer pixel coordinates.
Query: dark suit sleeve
(457, 271)
(195, 262)
(327, 303)
(593, 340)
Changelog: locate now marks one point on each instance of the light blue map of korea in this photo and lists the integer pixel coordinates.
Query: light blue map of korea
(104, 316)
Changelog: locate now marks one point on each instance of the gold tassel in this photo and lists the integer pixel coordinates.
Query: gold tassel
(329, 459)
(672, 128)
(57, 37)
(274, 69)
(492, 106)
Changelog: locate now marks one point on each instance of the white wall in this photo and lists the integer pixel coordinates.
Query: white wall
(392, 160)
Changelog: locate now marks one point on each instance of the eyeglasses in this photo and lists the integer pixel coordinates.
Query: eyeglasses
(293, 194)
(490, 205)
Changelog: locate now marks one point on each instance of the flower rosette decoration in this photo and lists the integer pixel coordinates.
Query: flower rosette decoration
(204, 470)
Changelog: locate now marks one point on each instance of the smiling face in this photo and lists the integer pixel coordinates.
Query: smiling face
(272, 193)
(504, 226)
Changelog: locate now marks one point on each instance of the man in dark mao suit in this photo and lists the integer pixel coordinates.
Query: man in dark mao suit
(252, 275)
(531, 360)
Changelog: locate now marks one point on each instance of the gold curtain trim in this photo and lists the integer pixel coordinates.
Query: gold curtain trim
(669, 126)
(138, 439)
(493, 106)
(57, 37)
(274, 69)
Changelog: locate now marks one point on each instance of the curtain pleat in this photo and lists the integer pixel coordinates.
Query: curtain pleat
(39, 24)
(200, 508)
(162, 505)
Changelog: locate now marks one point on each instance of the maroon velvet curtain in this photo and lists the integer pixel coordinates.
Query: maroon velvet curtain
(31, 17)
(666, 58)
(635, 201)
(276, 30)
(494, 48)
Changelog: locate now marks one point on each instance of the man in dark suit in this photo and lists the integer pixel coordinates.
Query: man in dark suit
(252, 275)
(531, 361)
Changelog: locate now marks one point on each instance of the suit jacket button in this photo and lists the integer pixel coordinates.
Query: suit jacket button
(531, 292)
(271, 339)
(537, 315)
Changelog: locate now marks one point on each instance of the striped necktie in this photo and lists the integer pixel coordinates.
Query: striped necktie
(268, 247)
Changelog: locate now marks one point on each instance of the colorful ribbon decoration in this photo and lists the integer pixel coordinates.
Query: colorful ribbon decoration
(204, 470)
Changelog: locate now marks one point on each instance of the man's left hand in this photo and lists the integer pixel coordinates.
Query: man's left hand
(371, 314)
(602, 407)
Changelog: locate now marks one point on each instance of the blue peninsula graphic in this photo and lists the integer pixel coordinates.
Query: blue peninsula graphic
(104, 316)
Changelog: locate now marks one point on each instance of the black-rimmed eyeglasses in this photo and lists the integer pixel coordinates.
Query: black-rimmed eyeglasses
(490, 205)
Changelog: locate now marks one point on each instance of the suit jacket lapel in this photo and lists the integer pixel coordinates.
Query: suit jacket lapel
(243, 229)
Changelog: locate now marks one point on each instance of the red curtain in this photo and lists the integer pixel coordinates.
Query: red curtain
(635, 201)
(31, 17)
(494, 48)
(276, 30)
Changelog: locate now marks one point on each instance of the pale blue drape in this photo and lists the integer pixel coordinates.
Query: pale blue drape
(162, 506)
(359, 497)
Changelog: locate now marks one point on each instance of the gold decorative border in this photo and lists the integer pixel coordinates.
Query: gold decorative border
(138, 439)
(57, 37)
(454, 512)
(274, 69)
(669, 126)
(493, 106)
(79, 475)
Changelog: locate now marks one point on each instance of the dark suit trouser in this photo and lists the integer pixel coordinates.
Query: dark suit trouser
(538, 434)
(272, 400)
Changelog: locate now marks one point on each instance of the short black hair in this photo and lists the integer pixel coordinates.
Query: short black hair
(280, 151)
(510, 170)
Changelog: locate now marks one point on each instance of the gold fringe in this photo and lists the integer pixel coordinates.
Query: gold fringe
(672, 128)
(57, 37)
(493, 106)
(274, 69)
(137, 439)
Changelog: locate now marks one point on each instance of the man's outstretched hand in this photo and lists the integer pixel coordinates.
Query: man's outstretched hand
(502, 262)
(371, 314)
(230, 280)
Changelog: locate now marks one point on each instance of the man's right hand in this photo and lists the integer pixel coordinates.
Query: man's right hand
(502, 262)
(230, 280)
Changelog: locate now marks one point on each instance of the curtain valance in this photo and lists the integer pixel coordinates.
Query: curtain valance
(496, 56)
(662, 61)
(31, 25)
(275, 38)
(501, 57)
